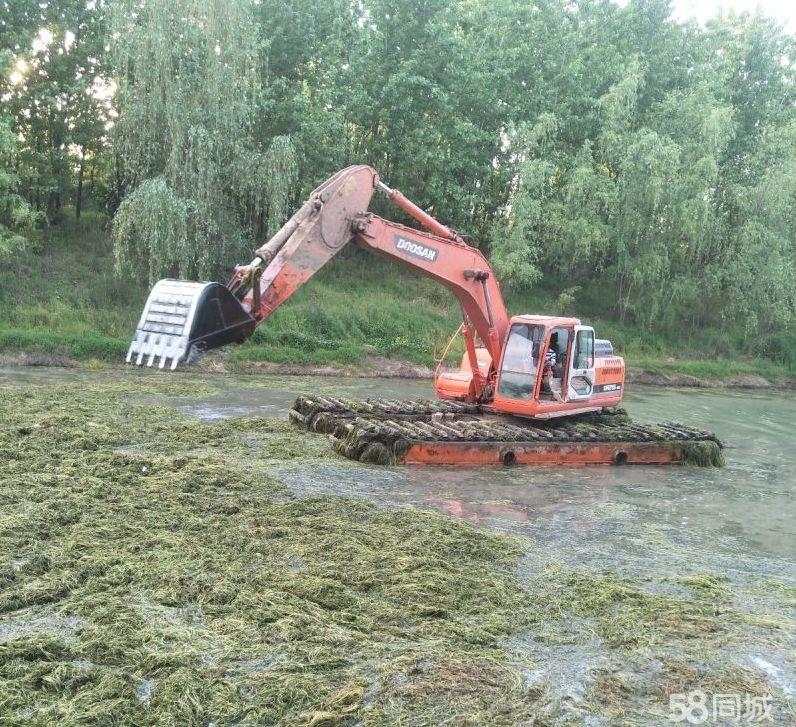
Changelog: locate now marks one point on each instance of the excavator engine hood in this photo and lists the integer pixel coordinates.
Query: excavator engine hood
(182, 320)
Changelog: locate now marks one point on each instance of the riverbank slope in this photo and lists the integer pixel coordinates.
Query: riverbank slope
(61, 304)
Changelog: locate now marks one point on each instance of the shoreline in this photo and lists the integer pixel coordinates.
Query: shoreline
(383, 368)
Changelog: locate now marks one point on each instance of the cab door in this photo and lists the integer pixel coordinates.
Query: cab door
(519, 367)
(580, 381)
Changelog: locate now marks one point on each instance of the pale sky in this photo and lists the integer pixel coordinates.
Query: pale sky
(701, 10)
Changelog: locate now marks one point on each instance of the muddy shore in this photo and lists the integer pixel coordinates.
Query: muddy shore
(381, 367)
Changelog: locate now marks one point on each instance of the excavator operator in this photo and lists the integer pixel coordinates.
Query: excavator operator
(552, 374)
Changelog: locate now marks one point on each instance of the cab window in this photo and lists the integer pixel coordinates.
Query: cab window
(584, 350)
(559, 344)
(520, 361)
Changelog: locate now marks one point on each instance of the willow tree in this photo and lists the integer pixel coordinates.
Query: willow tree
(281, 167)
(673, 206)
(201, 186)
(16, 215)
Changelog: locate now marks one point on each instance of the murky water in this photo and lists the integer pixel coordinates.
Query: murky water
(656, 524)
(653, 523)
(275, 395)
(741, 515)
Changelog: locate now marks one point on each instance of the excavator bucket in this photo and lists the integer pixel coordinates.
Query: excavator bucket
(182, 320)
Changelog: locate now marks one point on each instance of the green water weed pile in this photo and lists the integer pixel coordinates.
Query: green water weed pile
(198, 590)
(152, 571)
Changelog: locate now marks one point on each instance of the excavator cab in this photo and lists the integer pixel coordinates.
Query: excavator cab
(548, 368)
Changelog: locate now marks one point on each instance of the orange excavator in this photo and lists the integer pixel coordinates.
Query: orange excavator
(514, 369)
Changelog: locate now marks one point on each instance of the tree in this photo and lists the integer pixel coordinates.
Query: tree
(16, 215)
(57, 51)
(675, 197)
(420, 106)
(305, 73)
(189, 94)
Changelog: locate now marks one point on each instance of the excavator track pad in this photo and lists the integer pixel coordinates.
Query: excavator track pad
(182, 320)
(384, 431)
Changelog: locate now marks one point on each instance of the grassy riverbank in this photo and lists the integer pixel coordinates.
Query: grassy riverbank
(61, 299)
(154, 569)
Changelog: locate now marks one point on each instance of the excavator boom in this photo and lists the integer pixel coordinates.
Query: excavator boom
(182, 320)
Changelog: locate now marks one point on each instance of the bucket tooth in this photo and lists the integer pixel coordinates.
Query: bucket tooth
(181, 320)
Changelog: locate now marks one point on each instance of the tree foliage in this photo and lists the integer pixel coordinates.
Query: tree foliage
(282, 171)
(677, 200)
(16, 215)
(631, 165)
(51, 91)
(189, 90)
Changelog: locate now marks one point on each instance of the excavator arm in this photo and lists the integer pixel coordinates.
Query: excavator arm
(335, 214)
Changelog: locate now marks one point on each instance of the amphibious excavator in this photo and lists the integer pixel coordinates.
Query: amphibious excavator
(529, 388)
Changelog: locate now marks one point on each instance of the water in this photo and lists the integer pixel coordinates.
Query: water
(654, 524)
(273, 396)
(740, 516)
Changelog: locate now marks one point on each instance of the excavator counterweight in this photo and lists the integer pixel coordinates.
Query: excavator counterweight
(514, 370)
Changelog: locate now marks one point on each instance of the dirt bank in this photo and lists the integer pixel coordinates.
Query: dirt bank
(741, 381)
(382, 367)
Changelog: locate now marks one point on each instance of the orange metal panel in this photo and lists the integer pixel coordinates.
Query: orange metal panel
(609, 370)
(553, 453)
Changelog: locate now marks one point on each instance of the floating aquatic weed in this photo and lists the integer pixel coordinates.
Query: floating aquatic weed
(624, 614)
(177, 567)
(186, 566)
(703, 454)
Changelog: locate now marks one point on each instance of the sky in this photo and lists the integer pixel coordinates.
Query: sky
(701, 10)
